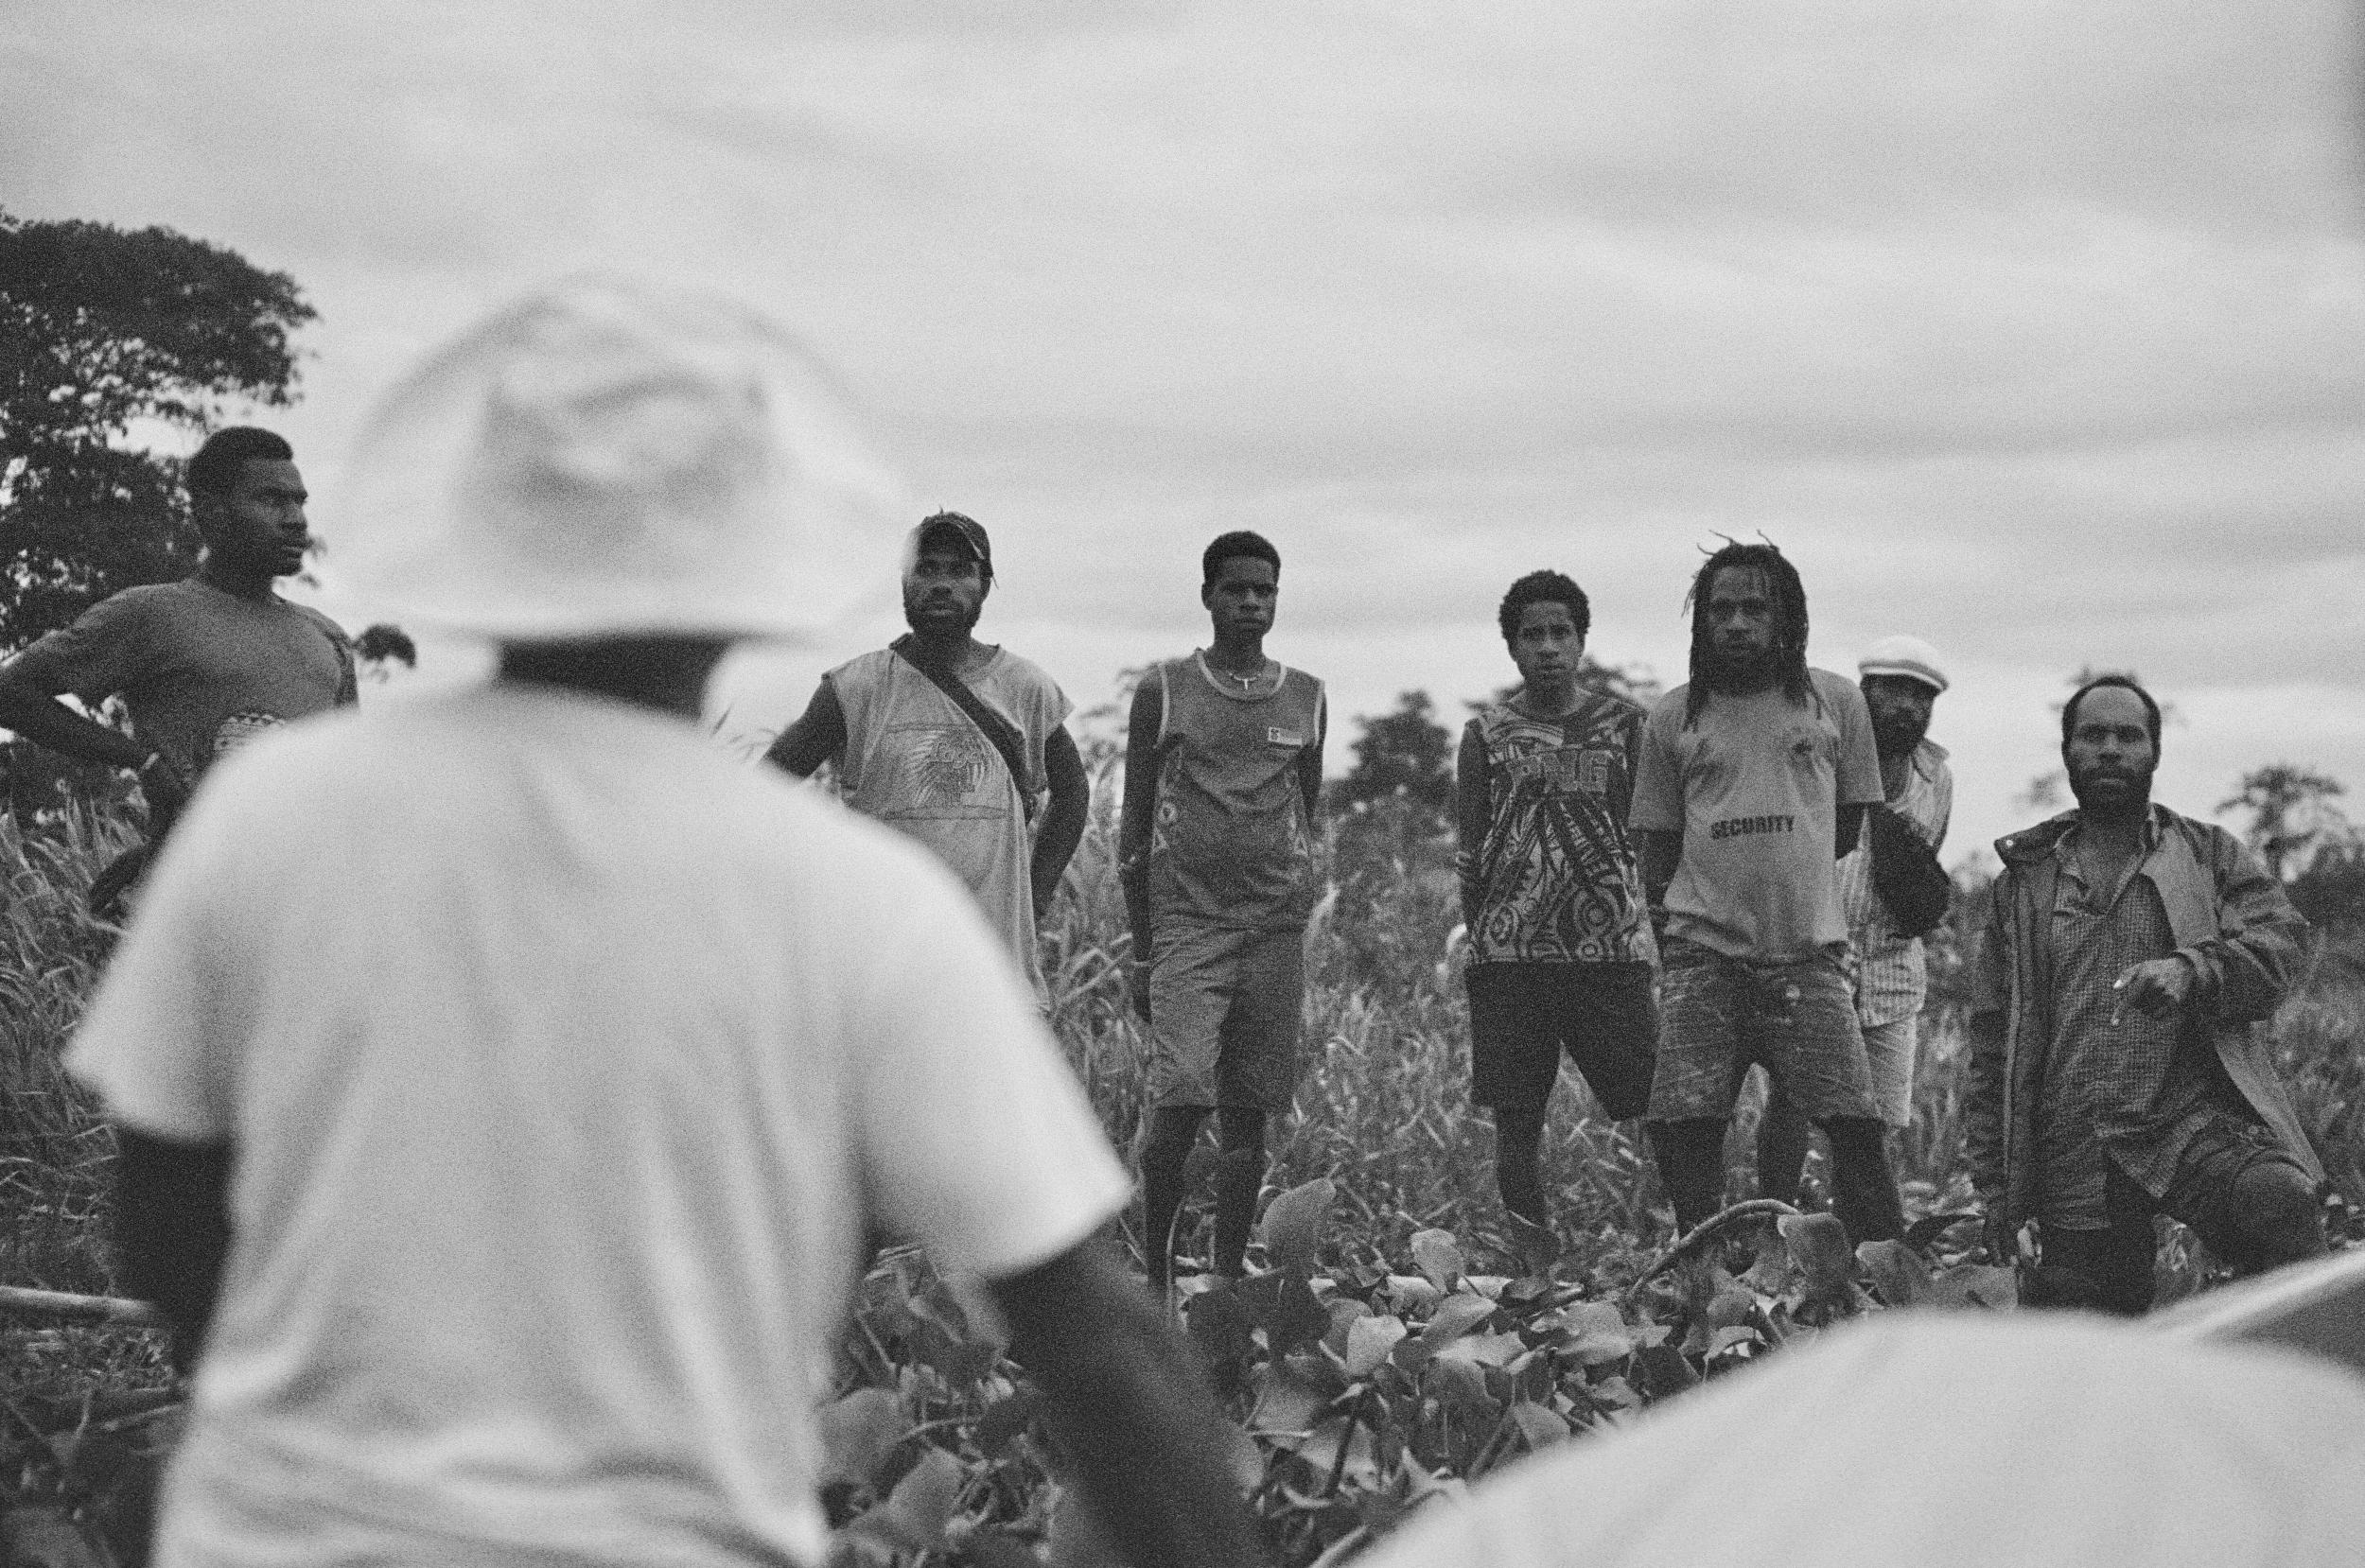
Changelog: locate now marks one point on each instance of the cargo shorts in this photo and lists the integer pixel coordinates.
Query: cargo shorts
(1224, 1015)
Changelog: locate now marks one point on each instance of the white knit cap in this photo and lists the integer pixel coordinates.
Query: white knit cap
(1903, 655)
(611, 457)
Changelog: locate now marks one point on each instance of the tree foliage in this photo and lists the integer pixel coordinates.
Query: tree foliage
(2291, 815)
(103, 330)
(1403, 754)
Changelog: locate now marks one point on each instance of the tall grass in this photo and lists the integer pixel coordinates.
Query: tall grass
(54, 1149)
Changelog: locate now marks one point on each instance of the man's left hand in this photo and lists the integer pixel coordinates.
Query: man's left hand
(2161, 985)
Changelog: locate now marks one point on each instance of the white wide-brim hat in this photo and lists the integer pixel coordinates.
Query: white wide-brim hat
(607, 457)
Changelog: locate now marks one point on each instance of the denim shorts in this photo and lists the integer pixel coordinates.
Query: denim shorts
(1718, 1015)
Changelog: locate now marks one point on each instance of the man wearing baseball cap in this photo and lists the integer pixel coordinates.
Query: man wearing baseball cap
(1889, 887)
(954, 741)
(509, 1081)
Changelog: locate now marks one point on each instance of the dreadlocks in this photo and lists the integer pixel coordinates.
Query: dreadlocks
(1790, 629)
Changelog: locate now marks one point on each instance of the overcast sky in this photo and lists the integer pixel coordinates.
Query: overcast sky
(2035, 330)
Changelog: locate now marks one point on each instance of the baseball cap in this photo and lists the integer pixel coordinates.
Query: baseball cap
(1903, 655)
(609, 457)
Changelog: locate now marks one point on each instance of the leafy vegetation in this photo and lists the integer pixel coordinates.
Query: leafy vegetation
(1399, 1337)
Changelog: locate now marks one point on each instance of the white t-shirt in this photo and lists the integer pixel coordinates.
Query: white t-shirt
(1946, 1440)
(563, 1058)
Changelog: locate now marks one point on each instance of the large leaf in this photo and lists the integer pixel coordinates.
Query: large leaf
(1898, 1272)
(1280, 1303)
(1593, 1333)
(1460, 1384)
(1412, 1293)
(1219, 1329)
(1538, 1427)
(1287, 1404)
(1818, 1244)
(1455, 1317)
(1292, 1226)
(858, 1432)
(1369, 1340)
(1438, 1256)
(1359, 1468)
(923, 1501)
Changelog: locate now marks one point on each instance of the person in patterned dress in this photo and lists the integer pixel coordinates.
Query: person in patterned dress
(1561, 950)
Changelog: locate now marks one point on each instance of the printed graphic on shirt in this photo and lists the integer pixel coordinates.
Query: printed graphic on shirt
(1556, 876)
(948, 770)
(244, 729)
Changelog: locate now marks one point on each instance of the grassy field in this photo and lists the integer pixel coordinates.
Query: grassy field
(1400, 1340)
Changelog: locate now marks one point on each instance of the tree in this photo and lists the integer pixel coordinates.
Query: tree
(2291, 816)
(1405, 756)
(102, 329)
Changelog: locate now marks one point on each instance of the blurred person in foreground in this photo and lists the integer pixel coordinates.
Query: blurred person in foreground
(1893, 891)
(1753, 783)
(2119, 1069)
(1223, 777)
(954, 741)
(508, 1080)
(1561, 951)
(1944, 1439)
(203, 665)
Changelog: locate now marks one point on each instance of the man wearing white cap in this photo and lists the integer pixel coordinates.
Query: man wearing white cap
(509, 1081)
(954, 741)
(1891, 890)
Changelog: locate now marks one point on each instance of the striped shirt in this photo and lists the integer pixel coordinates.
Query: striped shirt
(1892, 977)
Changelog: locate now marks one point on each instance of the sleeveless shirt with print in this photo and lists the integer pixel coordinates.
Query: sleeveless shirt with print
(1231, 843)
(1556, 877)
(915, 762)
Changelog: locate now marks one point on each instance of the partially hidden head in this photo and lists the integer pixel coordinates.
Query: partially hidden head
(1901, 678)
(1240, 584)
(611, 460)
(948, 570)
(247, 499)
(1748, 623)
(1544, 619)
(2111, 744)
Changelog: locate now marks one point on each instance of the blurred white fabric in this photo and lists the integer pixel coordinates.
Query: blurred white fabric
(1944, 1438)
(611, 458)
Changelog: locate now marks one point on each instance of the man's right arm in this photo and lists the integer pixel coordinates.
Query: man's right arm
(30, 685)
(30, 705)
(818, 734)
(1134, 1421)
(1659, 852)
(1133, 824)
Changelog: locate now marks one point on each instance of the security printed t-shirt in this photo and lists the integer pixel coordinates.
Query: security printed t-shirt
(566, 1061)
(1549, 876)
(1231, 843)
(200, 669)
(1754, 785)
(1892, 972)
(916, 762)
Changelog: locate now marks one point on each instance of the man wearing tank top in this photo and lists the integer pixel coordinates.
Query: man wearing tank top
(1223, 772)
(963, 780)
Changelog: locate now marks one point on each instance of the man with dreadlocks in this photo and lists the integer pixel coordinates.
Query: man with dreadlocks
(1753, 781)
